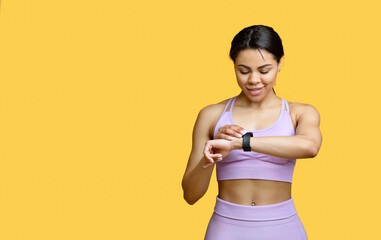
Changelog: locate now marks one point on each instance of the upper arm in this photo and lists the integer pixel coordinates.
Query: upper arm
(201, 134)
(308, 125)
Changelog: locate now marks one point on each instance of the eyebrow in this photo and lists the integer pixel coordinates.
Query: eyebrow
(265, 65)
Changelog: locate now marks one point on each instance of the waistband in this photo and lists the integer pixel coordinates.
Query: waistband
(275, 211)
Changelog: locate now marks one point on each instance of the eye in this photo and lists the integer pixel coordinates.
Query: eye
(244, 72)
(265, 72)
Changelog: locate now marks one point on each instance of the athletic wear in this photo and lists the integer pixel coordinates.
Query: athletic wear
(232, 221)
(278, 221)
(252, 165)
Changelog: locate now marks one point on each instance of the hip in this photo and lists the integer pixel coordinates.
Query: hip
(241, 222)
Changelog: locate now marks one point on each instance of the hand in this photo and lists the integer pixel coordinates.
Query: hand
(215, 150)
(229, 132)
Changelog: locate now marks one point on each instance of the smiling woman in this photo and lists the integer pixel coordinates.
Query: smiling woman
(257, 79)
(255, 154)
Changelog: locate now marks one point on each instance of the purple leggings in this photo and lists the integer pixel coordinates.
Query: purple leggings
(232, 221)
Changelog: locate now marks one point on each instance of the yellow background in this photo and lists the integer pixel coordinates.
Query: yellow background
(98, 100)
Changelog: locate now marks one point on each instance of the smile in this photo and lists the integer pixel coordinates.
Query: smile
(255, 91)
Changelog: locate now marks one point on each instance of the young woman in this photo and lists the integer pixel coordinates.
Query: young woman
(254, 185)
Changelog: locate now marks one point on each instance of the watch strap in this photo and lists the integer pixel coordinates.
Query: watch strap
(246, 142)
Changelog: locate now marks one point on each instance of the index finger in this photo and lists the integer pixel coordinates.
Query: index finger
(238, 129)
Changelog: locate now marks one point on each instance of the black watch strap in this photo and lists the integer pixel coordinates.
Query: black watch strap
(246, 142)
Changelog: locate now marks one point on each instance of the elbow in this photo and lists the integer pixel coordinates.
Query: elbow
(192, 192)
(189, 199)
(311, 150)
(307, 149)
(188, 196)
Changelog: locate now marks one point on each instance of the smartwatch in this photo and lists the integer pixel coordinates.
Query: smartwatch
(246, 142)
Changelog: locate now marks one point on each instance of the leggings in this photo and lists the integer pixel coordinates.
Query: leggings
(232, 221)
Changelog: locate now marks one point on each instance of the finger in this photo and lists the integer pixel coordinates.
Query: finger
(217, 155)
(208, 158)
(231, 132)
(208, 152)
(234, 127)
(224, 128)
(226, 132)
(221, 133)
(207, 165)
(227, 137)
(213, 157)
(239, 129)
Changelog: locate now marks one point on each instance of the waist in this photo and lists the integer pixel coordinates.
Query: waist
(259, 191)
(280, 210)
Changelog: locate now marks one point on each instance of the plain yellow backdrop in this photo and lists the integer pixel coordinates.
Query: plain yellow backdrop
(98, 100)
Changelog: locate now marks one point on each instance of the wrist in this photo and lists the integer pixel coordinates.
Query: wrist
(236, 143)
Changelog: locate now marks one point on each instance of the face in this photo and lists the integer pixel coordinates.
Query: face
(256, 73)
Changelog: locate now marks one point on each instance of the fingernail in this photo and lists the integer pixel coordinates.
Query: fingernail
(230, 138)
(239, 135)
(243, 132)
(219, 155)
(219, 159)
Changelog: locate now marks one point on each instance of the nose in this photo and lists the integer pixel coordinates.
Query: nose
(254, 78)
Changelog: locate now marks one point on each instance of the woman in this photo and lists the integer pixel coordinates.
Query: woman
(254, 185)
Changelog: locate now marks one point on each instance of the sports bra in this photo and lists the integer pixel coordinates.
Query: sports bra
(253, 165)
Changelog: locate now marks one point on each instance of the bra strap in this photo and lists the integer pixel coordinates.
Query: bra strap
(231, 106)
(227, 104)
(286, 105)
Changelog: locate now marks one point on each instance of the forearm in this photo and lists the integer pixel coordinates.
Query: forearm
(282, 146)
(196, 182)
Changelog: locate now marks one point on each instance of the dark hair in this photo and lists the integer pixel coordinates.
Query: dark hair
(257, 37)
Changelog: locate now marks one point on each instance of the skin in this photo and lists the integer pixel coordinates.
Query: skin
(251, 112)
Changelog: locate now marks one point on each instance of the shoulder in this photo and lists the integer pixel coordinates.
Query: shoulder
(302, 107)
(214, 109)
(298, 110)
(210, 114)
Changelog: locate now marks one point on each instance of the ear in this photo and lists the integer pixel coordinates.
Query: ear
(280, 62)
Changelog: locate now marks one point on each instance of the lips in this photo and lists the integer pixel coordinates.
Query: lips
(255, 91)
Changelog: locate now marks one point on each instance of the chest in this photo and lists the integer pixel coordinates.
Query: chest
(258, 120)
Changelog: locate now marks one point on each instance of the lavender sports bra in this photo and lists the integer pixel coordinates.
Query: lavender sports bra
(252, 165)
